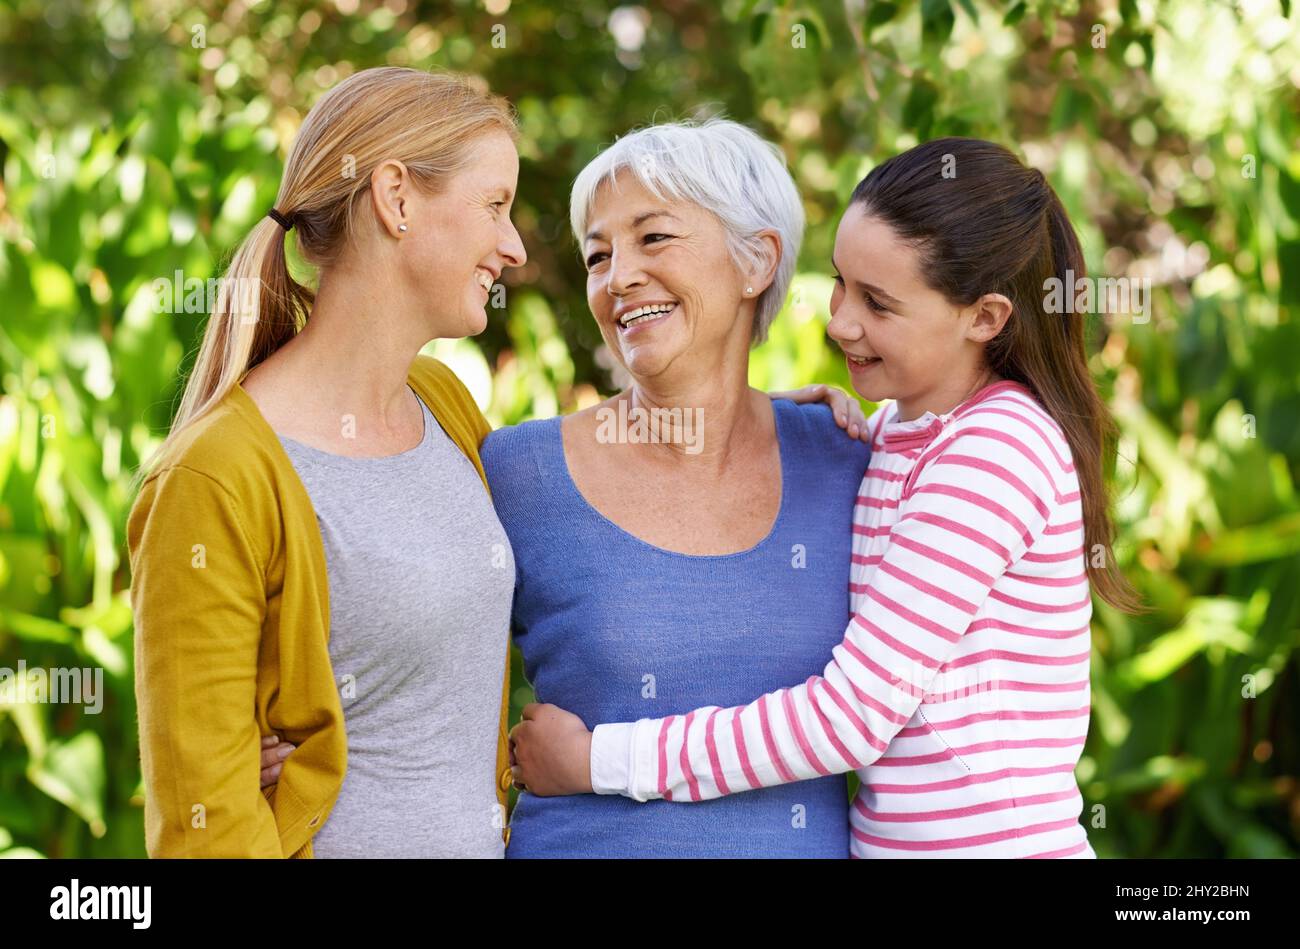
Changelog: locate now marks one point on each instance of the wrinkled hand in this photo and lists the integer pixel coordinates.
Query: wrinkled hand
(274, 751)
(846, 408)
(550, 752)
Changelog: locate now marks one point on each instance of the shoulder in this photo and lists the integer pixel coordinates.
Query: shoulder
(221, 467)
(226, 446)
(510, 454)
(1013, 426)
(447, 396)
(436, 375)
(812, 428)
(1006, 445)
(524, 477)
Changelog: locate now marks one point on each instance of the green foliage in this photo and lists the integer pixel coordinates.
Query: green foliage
(141, 139)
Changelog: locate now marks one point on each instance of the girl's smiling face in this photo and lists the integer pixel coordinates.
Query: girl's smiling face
(902, 339)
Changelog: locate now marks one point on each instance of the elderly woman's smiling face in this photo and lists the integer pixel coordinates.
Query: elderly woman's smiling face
(661, 280)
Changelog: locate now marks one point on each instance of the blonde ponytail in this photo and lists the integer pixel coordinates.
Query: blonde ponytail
(428, 121)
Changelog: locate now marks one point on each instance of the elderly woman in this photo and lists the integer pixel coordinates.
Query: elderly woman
(689, 519)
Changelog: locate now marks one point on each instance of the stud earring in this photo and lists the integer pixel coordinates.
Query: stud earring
(401, 227)
(748, 291)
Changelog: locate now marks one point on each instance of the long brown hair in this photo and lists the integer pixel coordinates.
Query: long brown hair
(427, 120)
(983, 222)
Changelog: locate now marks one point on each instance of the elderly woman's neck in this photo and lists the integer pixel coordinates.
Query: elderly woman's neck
(708, 420)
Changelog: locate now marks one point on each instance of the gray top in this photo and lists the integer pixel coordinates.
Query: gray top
(421, 577)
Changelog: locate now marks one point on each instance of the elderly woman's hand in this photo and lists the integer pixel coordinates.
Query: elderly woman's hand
(845, 408)
(550, 752)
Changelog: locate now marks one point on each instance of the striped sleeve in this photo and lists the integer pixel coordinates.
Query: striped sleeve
(977, 499)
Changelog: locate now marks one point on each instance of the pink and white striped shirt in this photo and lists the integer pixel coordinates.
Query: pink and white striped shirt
(960, 692)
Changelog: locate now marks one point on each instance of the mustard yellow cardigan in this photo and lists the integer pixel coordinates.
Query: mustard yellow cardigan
(231, 602)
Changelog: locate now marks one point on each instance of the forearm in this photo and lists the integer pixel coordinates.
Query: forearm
(199, 740)
(829, 724)
(199, 807)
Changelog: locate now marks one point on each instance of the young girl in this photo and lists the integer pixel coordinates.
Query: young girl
(960, 691)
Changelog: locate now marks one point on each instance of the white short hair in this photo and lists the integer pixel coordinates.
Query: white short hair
(722, 167)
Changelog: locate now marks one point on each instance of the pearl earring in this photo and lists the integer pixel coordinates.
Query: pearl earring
(748, 291)
(401, 227)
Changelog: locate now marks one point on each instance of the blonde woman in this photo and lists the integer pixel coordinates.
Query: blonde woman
(314, 552)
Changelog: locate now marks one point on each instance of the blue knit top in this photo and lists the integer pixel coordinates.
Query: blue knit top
(614, 629)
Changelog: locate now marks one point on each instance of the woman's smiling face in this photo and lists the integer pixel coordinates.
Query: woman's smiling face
(902, 339)
(463, 238)
(661, 281)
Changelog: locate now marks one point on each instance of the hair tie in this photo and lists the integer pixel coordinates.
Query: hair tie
(280, 219)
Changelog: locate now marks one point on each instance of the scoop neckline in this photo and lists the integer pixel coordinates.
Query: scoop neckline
(321, 457)
(783, 463)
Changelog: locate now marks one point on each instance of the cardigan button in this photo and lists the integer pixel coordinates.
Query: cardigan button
(507, 779)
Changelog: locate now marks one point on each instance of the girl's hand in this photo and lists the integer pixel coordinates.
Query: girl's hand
(845, 408)
(274, 751)
(550, 752)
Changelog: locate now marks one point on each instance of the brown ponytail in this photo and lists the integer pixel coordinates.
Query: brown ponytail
(985, 223)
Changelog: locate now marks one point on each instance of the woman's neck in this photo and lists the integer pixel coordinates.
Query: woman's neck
(724, 413)
(354, 352)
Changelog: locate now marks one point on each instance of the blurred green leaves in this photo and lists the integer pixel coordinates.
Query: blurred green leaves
(138, 139)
